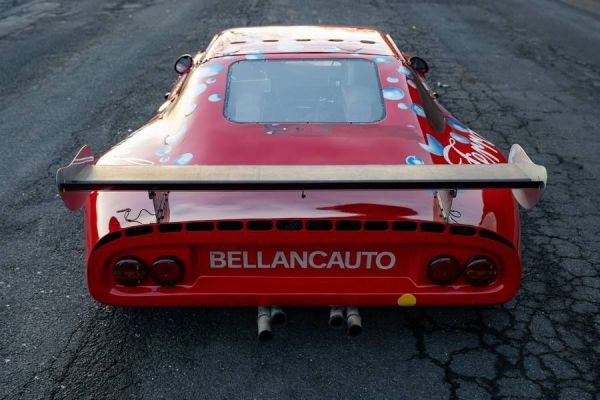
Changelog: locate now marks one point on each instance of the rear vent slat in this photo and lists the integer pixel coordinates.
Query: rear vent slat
(138, 230)
(261, 225)
(405, 226)
(319, 225)
(200, 226)
(347, 225)
(494, 236)
(376, 225)
(107, 238)
(230, 225)
(432, 227)
(463, 230)
(289, 225)
(167, 228)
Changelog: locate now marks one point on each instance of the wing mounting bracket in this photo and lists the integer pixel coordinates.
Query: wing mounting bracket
(444, 199)
(160, 200)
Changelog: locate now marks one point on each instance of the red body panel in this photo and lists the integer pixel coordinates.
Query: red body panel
(191, 129)
(252, 281)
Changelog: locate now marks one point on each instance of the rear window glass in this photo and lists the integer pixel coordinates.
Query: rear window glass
(302, 90)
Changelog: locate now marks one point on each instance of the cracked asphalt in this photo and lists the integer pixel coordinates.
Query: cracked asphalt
(525, 71)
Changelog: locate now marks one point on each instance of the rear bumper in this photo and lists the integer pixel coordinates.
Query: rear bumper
(322, 283)
(293, 292)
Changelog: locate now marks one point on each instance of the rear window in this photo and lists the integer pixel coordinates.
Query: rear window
(303, 90)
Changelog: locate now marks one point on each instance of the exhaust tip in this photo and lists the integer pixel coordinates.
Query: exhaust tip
(278, 316)
(263, 322)
(265, 335)
(336, 321)
(336, 317)
(354, 330)
(354, 321)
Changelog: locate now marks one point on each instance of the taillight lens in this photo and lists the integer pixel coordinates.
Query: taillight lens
(130, 271)
(167, 271)
(480, 271)
(443, 270)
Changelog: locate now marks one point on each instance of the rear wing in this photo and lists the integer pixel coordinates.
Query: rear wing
(526, 179)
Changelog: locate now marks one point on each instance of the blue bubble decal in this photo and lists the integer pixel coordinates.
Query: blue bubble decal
(457, 125)
(184, 159)
(460, 138)
(402, 106)
(414, 160)
(214, 97)
(198, 90)
(411, 83)
(290, 46)
(209, 70)
(382, 59)
(433, 146)
(393, 79)
(164, 159)
(211, 80)
(255, 54)
(163, 150)
(405, 71)
(417, 109)
(393, 93)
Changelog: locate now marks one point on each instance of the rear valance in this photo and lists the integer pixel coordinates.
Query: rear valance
(523, 176)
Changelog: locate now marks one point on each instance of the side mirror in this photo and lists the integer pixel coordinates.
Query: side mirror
(183, 64)
(418, 65)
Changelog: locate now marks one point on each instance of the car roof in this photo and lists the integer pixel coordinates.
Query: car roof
(300, 39)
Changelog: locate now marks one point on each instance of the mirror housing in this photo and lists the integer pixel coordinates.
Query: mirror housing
(419, 65)
(183, 64)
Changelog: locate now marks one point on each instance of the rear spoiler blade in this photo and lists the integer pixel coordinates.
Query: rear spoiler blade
(75, 181)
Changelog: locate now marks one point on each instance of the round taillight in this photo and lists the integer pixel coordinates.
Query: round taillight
(443, 270)
(130, 271)
(480, 271)
(167, 271)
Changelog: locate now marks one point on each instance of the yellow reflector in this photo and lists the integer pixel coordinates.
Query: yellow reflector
(407, 300)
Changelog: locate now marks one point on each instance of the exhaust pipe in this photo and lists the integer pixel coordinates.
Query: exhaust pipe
(278, 316)
(353, 321)
(263, 321)
(336, 317)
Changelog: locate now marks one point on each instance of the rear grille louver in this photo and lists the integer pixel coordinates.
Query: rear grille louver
(138, 230)
(230, 225)
(295, 225)
(170, 227)
(260, 225)
(319, 225)
(289, 225)
(200, 226)
(347, 225)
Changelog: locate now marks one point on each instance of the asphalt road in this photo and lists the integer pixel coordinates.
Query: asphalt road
(525, 71)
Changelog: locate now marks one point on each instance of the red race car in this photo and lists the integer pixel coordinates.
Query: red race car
(302, 165)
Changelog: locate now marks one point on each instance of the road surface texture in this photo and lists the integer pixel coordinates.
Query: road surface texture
(524, 71)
